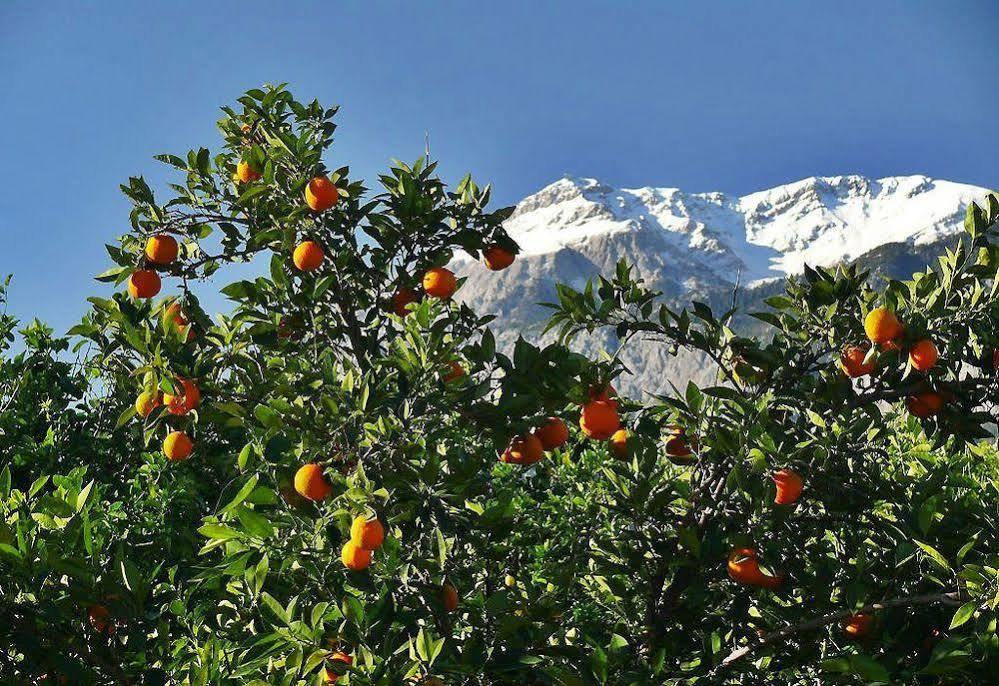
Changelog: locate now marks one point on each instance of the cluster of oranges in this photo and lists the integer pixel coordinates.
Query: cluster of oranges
(884, 329)
(177, 446)
(528, 449)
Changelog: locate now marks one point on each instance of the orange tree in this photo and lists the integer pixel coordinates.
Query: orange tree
(302, 489)
(828, 512)
(341, 479)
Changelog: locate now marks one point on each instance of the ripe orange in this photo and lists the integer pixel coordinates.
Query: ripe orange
(308, 256)
(144, 283)
(680, 450)
(321, 194)
(354, 557)
(311, 483)
(453, 372)
(401, 299)
(330, 674)
(497, 258)
(882, 326)
(188, 400)
(852, 360)
(552, 434)
(599, 419)
(440, 282)
(177, 446)
(923, 356)
(449, 597)
(174, 317)
(619, 444)
(605, 393)
(147, 402)
(367, 533)
(245, 173)
(995, 359)
(858, 625)
(924, 405)
(744, 567)
(526, 450)
(789, 486)
(161, 249)
(100, 619)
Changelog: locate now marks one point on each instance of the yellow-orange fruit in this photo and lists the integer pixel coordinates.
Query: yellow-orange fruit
(308, 256)
(882, 326)
(497, 258)
(401, 299)
(923, 356)
(789, 486)
(679, 449)
(525, 450)
(177, 446)
(188, 400)
(311, 483)
(147, 402)
(161, 249)
(100, 619)
(144, 283)
(245, 173)
(321, 194)
(858, 625)
(852, 360)
(449, 597)
(453, 372)
(599, 419)
(552, 434)
(924, 405)
(332, 674)
(440, 282)
(367, 533)
(619, 444)
(354, 557)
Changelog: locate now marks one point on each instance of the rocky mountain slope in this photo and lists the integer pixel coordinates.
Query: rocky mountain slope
(705, 246)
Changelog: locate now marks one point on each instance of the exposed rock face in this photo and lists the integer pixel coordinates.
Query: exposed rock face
(704, 246)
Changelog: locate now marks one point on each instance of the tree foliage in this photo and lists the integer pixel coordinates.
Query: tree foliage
(604, 563)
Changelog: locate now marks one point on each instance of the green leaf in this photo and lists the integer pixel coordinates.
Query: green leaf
(241, 495)
(934, 555)
(963, 614)
(218, 531)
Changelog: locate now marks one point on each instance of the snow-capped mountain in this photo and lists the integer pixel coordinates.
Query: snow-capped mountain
(700, 245)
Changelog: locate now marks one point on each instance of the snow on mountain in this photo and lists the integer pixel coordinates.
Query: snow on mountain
(771, 233)
(699, 245)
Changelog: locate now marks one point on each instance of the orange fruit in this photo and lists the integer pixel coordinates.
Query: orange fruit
(923, 356)
(440, 282)
(744, 567)
(401, 299)
(173, 316)
(367, 533)
(177, 446)
(454, 372)
(526, 450)
(599, 419)
(449, 597)
(100, 619)
(552, 434)
(882, 326)
(852, 360)
(308, 256)
(789, 485)
(245, 173)
(354, 557)
(497, 258)
(161, 249)
(147, 402)
(924, 405)
(331, 674)
(606, 393)
(311, 483)
(144, 283)
(858, 625)
(188, 400)
(619, 444)
(995, 359)
(321, 194)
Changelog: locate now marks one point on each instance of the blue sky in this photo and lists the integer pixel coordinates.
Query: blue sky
(732, 96)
